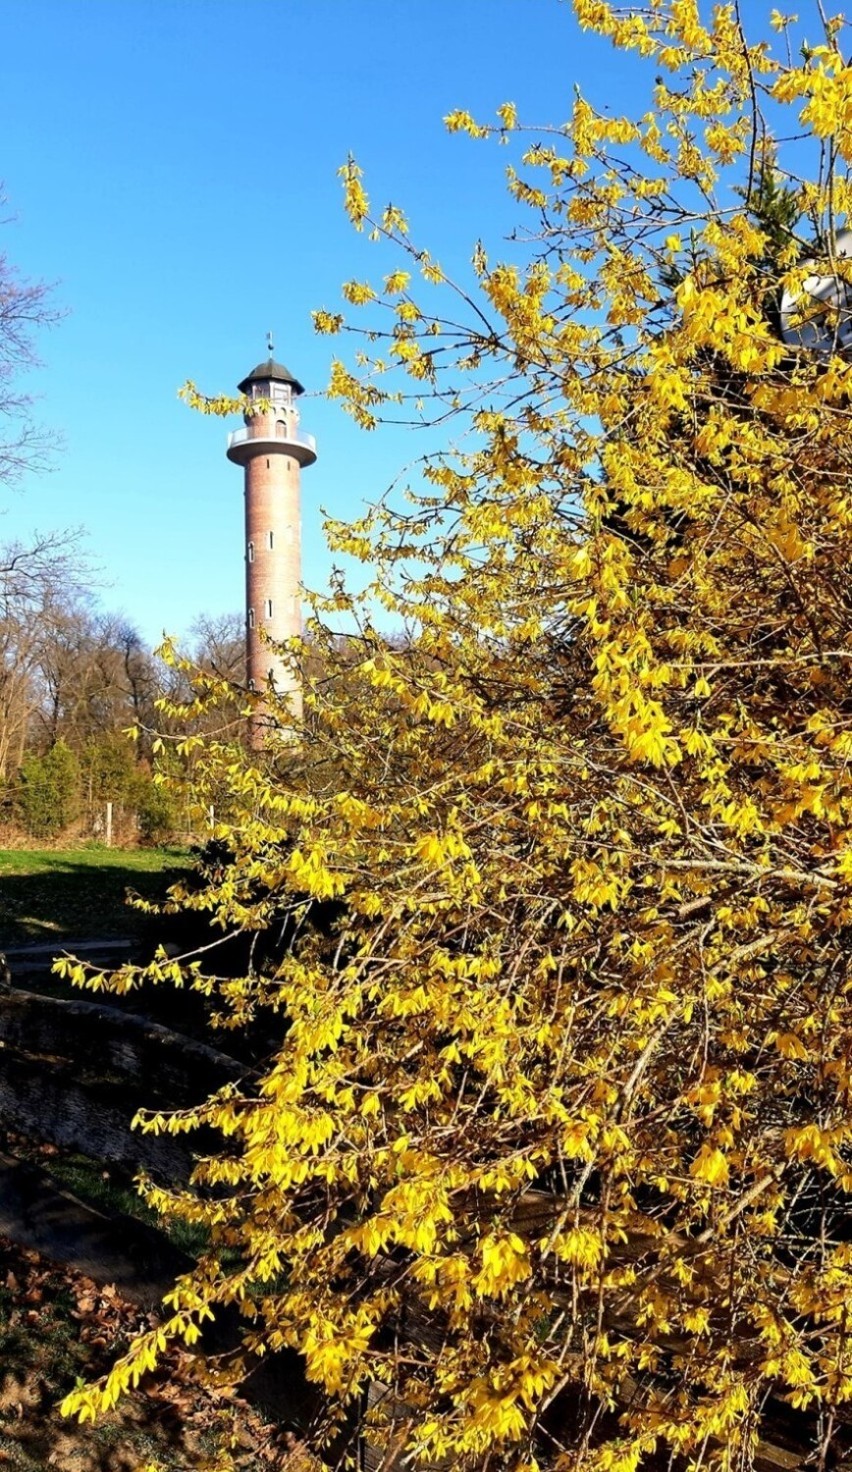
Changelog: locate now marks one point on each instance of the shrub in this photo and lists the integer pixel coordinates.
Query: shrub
(49, 797)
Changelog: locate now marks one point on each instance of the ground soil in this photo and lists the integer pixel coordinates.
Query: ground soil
(56, 1327)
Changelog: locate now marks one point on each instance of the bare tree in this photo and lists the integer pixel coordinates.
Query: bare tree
(220, 645)
(37, 575)
(25, 309)
(36, 583)
(95, 677)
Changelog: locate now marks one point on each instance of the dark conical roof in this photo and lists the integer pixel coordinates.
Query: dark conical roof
(270, 372)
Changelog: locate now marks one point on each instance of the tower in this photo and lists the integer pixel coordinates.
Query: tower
(272, 450)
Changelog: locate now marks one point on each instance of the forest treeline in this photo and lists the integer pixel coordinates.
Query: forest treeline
(74, 678)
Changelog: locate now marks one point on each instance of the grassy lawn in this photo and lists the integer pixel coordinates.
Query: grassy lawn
(54, 894)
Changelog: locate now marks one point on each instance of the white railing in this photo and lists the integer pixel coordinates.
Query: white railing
(292, 437)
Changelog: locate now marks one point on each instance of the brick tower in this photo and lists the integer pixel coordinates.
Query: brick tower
(272, 450)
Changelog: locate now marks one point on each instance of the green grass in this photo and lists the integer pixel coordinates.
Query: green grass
(109, 1191)
(54, 894)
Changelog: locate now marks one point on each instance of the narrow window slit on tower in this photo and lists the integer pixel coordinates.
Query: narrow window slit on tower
(269, 608)
(250, 551)
(251, 618)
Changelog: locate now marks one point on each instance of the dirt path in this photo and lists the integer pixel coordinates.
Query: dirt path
(34, 1212)
(37, 957)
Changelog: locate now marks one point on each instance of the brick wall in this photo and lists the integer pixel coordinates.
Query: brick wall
(273, 557)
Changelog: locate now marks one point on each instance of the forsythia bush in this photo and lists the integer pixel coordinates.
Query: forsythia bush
(552, 1166)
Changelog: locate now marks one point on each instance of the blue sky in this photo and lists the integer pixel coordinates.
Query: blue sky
(171, 165)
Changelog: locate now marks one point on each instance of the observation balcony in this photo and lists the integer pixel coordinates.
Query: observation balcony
(243, 444)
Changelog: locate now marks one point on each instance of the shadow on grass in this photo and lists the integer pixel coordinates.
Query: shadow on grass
(60, 896)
